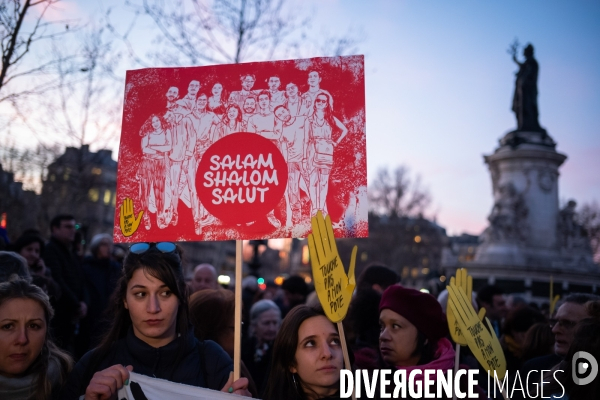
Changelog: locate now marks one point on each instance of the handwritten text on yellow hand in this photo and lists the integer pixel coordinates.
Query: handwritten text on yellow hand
(332, 285)
(465, 283)
(482, 340)
(129, 223)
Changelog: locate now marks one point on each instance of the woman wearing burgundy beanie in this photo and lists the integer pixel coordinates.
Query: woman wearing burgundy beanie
(413, 332)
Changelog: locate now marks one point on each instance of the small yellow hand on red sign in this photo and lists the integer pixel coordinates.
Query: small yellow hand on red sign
(332, 285)
(129, 223)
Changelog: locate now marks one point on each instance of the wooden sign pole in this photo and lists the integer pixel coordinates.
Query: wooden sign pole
(456, 363)
(237, 344)
(345, 351)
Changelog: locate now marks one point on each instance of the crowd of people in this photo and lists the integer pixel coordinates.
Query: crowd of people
(73, 326)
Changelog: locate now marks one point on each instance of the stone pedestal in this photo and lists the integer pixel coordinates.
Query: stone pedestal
(529, 239)
(524, 220)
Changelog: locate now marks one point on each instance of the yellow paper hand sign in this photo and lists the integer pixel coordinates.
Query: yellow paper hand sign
(129, 223)
(332, 285)
(465, 283)
(481, 340)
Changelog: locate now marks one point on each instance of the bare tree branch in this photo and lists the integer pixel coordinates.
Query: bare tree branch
(17, 39)
(395, 194)
(195, 32)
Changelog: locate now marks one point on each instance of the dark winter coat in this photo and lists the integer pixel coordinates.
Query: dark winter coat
(101, 276)
(185, 360)
(67, 273)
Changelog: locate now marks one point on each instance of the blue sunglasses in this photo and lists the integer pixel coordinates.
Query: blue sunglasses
(163, 247)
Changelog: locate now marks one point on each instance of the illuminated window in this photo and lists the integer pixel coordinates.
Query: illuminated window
(93, 195)
(364, 256)
(107, 196)
(96, 171)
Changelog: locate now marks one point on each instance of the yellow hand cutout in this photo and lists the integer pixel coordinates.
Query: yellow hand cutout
(129, 223)
(332, 285)
(482, 341)
(465, 283)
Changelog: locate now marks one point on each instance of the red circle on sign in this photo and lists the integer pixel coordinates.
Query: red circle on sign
(241, 177)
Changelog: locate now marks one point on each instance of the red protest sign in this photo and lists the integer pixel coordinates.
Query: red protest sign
(244, 151)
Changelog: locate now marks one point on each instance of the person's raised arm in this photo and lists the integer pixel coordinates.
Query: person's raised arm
(343, 128)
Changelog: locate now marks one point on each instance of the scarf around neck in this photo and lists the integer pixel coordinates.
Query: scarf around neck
(443, 360)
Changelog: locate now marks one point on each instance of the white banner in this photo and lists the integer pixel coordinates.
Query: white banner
(143, 387)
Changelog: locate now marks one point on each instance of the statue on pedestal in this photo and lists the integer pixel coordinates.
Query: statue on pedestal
(508, 219)
(525, 98)
(571, 234)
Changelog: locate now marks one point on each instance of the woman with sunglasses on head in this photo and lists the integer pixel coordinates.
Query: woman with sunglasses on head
(150, 333)
(307, 358)
(319, 132)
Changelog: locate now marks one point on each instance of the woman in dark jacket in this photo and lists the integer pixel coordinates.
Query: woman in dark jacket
(150, 332)
(413, 330)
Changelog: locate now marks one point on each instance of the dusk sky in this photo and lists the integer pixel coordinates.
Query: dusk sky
(439, 85)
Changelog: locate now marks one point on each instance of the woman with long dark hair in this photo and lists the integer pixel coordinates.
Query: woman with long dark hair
(215, 102)
(307, 358)
(150, 332)
(32, 367)
(320, 129)
(232, 122)
(156, 143)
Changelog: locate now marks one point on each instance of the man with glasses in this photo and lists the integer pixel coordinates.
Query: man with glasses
(563, 326)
